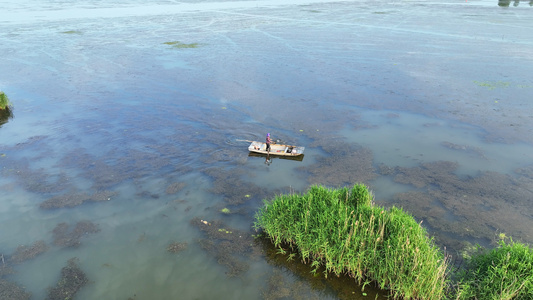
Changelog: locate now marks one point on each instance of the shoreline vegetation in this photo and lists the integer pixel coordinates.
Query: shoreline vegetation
(344, 232)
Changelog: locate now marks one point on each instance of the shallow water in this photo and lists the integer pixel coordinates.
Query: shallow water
(427, 103)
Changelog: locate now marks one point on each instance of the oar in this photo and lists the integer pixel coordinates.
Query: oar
(244, 141)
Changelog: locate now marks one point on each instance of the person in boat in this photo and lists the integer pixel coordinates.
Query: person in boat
(268, 141)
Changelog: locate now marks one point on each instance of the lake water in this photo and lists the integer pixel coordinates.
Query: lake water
(125, 141)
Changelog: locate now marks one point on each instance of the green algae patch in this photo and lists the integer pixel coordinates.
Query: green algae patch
(180, 45)
(491, 85)
(344, 232)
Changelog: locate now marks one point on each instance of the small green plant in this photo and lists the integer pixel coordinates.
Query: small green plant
(505, 272)
(178, 44)
(4, 101)
(225, 210)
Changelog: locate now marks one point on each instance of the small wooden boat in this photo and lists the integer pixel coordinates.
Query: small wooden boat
(276, 149)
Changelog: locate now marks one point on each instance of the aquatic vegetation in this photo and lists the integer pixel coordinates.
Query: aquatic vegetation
(73, 199)
(492, 84)
(10, 290)
(4, 101)
(344, 232)
(72, 32)
(180, 45)
(24, 253)
(228, 246)
(65, 237)
(346, 164)
(470, 207)
(176, 247)
(71, 281)
(175, 187)
(505, 272)
(230, 185)
(6, 110)
(473, 151)
(225, 210)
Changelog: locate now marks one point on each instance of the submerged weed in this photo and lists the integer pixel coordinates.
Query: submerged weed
(179, 45)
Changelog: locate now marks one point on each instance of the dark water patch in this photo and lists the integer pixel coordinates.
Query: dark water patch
(64, 236)
(72, 32)
(71, 281)
(230, 247)
(181, 45)
(469, 208)
(75, 199)
(12, 291)
(176, 247)
(6, 269)
(34, 180)
(175, 187)
(526, 171)
(345, 164)
(470, 150)
(235, 191)
(308, 283)
(24, 252)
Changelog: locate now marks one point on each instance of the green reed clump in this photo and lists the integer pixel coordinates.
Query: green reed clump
(505, 272)
(342, 230)
(4, 101)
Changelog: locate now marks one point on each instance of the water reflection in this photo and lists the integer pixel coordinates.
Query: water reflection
(507, 3)
(5, 115)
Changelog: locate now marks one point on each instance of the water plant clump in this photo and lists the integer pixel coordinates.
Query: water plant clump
(10, 290)
(24, 253)
(65, 237)
(72, 280)
(178, 44)
(342, 231)
(176, 247)
(505, 272)
(4, 101)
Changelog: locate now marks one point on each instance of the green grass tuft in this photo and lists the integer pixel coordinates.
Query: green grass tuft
(4, 101)
(343, 231)
(505, 272)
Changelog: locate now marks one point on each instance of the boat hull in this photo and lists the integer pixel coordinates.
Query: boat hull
(276, 149)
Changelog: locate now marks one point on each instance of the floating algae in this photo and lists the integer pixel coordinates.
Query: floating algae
(72, 280)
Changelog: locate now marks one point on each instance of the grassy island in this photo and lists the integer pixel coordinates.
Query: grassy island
(342, 230)
(4, 101)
